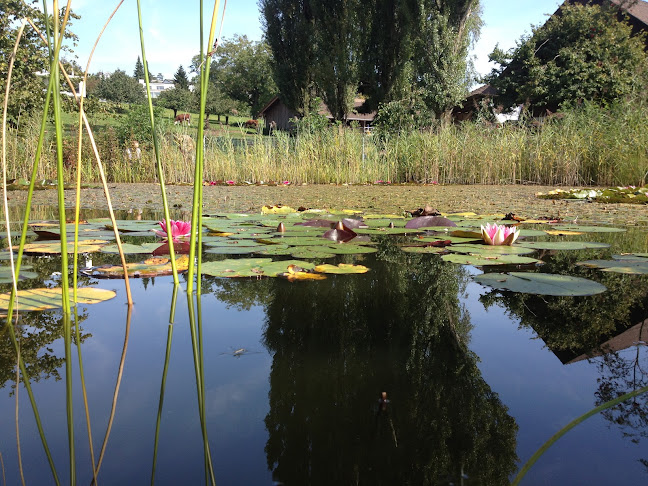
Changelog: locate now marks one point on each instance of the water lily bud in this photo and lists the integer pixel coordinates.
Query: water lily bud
(281, 228)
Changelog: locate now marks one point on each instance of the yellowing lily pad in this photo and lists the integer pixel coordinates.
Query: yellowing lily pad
(541, 283)
(152, 267)
(563, 232)
(54, 247)
(277, 209)
(342, 268)
(44, 299)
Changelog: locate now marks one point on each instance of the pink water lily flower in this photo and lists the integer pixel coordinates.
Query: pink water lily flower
(499, 235)
(178, 229)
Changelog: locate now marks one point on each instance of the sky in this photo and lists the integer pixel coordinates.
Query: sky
(171, 33)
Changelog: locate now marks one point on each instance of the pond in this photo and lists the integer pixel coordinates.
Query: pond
(410, 373)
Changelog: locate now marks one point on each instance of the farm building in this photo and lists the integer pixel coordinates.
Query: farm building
(279, 116)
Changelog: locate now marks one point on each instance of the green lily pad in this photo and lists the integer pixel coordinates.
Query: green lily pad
(489, 250)
(481, 260)
(44, 299)
(342, 268)
(128, 225)
(274, 250)
(243, 267)
(562, 245)
(387, 231)
(589, 229)
(234, 250)
(349, 249)
(455, 240)
(632, 265)
(130, 249)
(311, 252)
(273, 269)
(25, 274)
(424, 249)
(297, 240)
(384, 223)
(212, 241)
(541, 283)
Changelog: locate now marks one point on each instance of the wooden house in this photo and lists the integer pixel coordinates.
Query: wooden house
(278, 116)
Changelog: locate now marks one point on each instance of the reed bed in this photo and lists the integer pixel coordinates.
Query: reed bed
(588, 146)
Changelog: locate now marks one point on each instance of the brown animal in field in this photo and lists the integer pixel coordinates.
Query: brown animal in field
(183, 118)
(252, 124)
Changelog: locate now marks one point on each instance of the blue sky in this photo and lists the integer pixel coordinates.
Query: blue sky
(172, 38)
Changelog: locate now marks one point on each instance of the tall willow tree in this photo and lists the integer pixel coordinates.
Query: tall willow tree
(289, 29)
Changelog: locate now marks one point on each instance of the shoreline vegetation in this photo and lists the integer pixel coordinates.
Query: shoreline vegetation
(587, 146)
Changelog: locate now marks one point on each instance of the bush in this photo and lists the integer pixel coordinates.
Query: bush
(136, 125)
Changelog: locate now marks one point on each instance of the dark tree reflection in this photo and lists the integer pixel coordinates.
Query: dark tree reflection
(400, 328)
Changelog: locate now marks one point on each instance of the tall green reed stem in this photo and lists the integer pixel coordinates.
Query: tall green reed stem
(570, 426)
(156, 148)
(198, 365)
(196, 208)
(113, 408)
(16, 269)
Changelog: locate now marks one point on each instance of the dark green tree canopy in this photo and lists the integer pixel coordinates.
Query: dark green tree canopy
(389, 51)
(241, 71)
(175, 99)
(120, 88)
(29, 78)
(582, 53)
(180, 78)
(138, 73)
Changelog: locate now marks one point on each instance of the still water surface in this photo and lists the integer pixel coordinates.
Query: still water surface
(476, 380)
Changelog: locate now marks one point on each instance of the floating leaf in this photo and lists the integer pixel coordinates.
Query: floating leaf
(562, 245)
(388, 231)
(424, 249)
(43, 299)
(278, 209)
(274, 250)
(589, 229)
(563, 232)
(295, 272)
(273, 269)
(130, 249)
(243, 267)
(481, 260)
(628, 264)
(541, 283)
(312, 252)
(85, 246)
(429, 221)
(342, 268)
(234, 250)
(25, 274)
(347, 249)
(475, 235)
(152, 267)
(489, 250)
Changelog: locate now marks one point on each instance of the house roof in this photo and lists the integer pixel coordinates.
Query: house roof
(353, 115)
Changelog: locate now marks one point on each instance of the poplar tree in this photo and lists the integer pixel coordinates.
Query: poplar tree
(290, 31)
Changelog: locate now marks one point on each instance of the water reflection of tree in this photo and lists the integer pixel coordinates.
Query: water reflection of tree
(36, 331)
(400, 328)
(573, 327)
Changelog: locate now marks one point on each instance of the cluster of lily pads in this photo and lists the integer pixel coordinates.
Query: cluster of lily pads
(283, 242)
(627, 194)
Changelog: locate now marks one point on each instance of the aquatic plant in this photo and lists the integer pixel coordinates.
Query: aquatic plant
(494, 234)
(179, 229)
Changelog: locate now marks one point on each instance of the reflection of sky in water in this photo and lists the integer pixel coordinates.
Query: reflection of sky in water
(541, 394)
